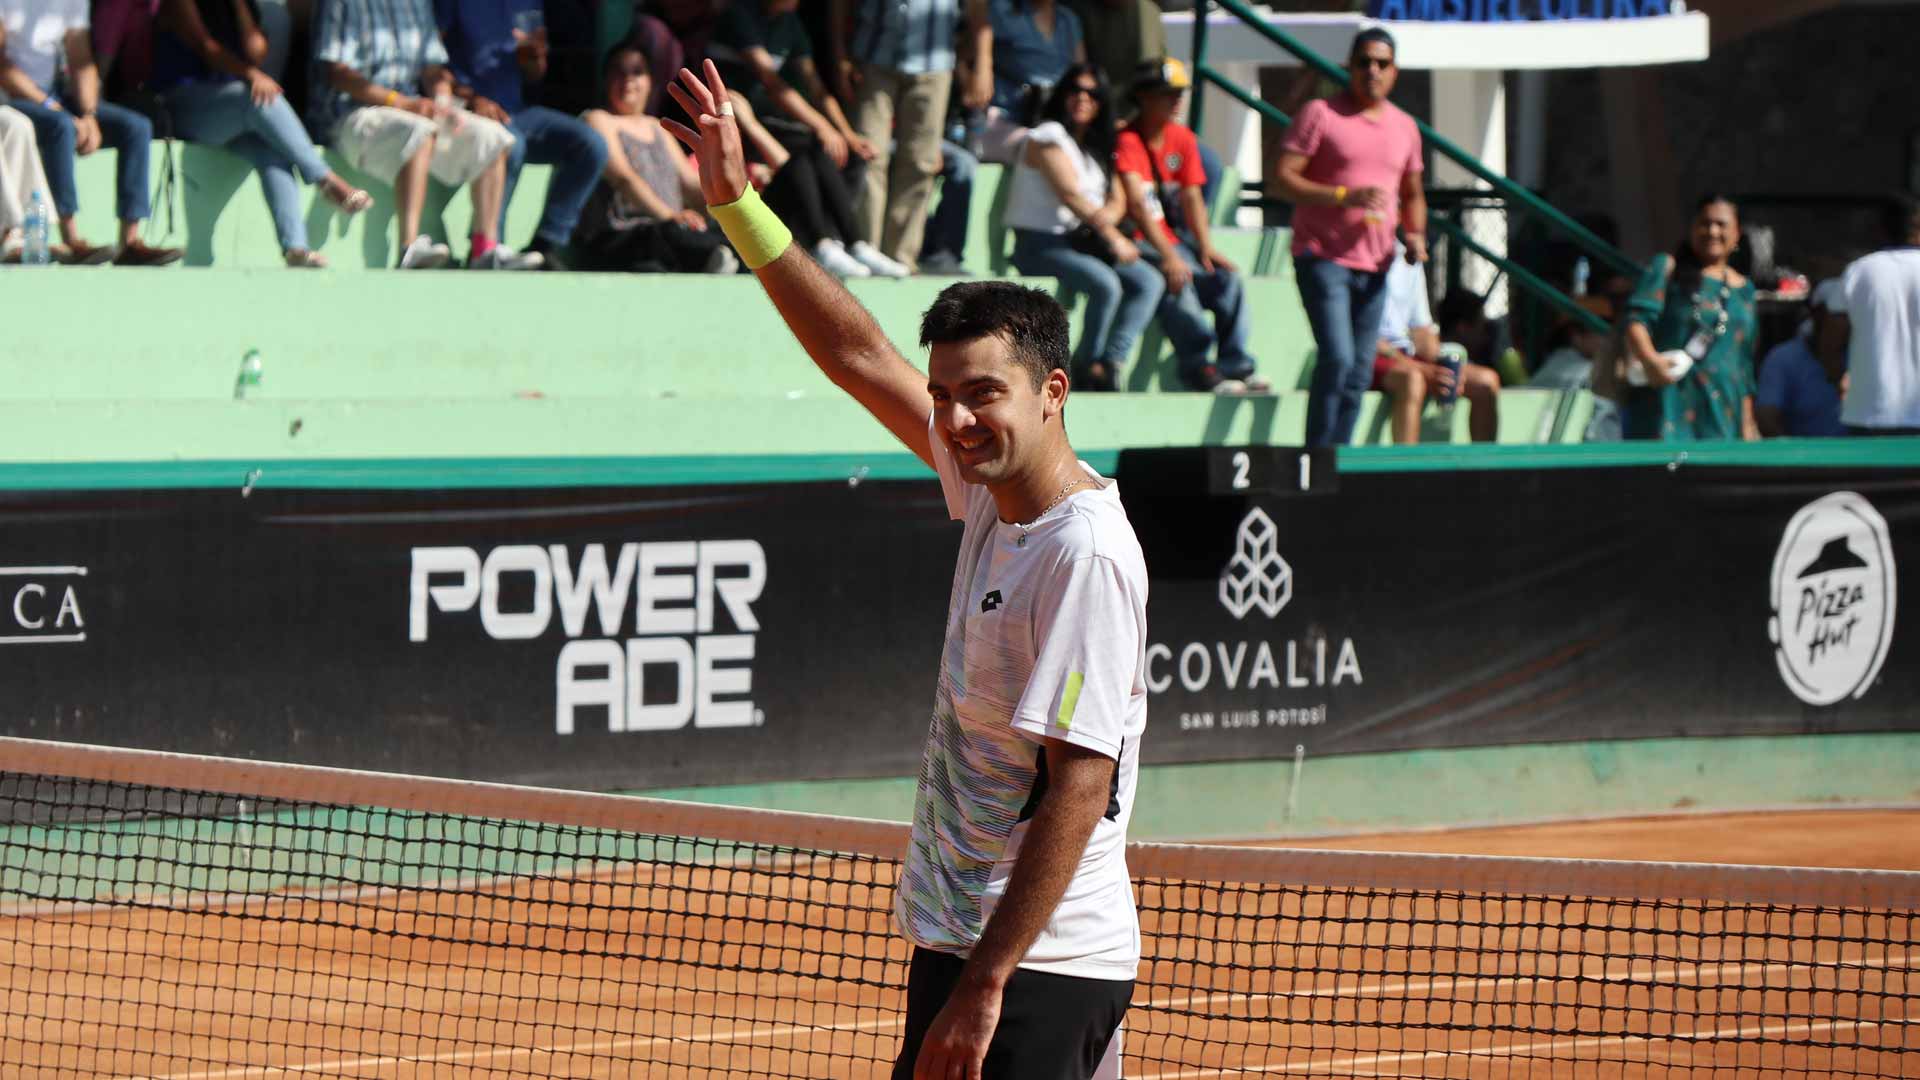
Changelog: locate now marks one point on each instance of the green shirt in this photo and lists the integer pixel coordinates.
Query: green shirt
(1708, 401)
(746, 25)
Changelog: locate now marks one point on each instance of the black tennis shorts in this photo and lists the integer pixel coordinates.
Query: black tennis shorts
(1052, 1027)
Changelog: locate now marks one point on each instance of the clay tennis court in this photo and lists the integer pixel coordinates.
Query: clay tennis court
(789, 971)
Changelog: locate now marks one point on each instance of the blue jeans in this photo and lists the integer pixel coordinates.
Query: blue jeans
(1120, 299)
(1215, 169)
(1183, 315)
(1344, 308)
(271, 139)
(947, 225)
(578, 154)
(122, 130)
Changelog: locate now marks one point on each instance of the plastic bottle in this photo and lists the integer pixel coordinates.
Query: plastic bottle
(35, 251)
(249, 374)
(1582, 274)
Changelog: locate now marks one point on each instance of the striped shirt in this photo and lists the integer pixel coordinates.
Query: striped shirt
(912, 37)
(389, 41)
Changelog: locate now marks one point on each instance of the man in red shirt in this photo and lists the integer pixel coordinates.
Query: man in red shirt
(1351, 165)
(1158, 161)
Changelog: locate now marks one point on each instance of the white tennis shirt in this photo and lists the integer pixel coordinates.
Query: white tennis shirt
(1880, 296)
(1046, 638)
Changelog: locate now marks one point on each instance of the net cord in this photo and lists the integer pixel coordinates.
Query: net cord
(1456, 874)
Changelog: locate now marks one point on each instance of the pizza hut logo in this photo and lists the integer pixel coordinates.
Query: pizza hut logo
(1833, 592)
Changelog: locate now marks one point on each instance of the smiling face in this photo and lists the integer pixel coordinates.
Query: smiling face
(1371, 72)
(1083, 100)
(1715, 233)
(628, 83)
(997, 423)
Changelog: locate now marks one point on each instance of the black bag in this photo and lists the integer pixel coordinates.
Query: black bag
(1087, 240)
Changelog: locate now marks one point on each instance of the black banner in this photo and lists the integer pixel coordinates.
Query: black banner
(668, 636)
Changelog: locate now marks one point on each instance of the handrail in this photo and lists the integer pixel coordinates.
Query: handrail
(1528, 280)
(1586, 238)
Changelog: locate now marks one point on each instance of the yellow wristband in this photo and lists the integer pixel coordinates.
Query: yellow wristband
(1339, 194)
(755, 231)
(392, 96)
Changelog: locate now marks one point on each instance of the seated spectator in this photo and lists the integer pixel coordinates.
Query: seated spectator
(945, 244)
(664, 53)
(382, 92)
(1572, 350)
(1690, 330)
(762, 51)
(1065, 206)
(1158, 161)
(647, 213)
(1034, 42)
(898, 75)
(207, 64)
(494, 48)
(20, 177)
(1121, 37)
(1872, 333)
(1795, 396)
(37, 39)
(1406, 365)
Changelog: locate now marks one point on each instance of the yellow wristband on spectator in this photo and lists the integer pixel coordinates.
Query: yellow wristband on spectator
(1339, 194)
(755, 231)
(392, 96)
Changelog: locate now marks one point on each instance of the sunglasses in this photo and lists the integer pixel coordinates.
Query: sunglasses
(1083, 88)
(1364, 62)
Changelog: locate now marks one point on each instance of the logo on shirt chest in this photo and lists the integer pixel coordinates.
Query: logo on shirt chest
(990, 602)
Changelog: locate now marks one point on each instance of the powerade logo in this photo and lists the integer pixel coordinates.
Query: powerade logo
(674, 620)
(42, 605)
(1833, 592)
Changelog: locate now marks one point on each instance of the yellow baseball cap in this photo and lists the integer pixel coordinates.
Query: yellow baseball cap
(1167, 73)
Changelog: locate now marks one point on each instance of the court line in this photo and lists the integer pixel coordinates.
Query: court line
(751, 1035)
(1361, 1061)
(633, 1043)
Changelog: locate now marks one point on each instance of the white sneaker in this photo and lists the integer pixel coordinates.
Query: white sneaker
(1229, 387)
(835, 260)
(1258, 384)
(871, 258)
(722, 261)
(424, 254)
(502, 257)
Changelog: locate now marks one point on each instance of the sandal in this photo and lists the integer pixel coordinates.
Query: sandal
(353, 202)
(300, 259)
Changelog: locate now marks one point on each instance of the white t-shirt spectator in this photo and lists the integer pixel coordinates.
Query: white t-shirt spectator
(1880, 296)
(1407, 306)
(1033, 204)
(37, 33)
(1046, 638)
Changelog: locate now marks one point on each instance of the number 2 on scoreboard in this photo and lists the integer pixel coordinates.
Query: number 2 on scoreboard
(1242, 470)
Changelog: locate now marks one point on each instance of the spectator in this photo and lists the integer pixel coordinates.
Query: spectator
(37, 39)
(946, 232)
(664, 53)
(1690, 330)
(762, 50)
(1796, 397)
(382, 92)
(1121, 36)
(1351, 164)
(1064, 207)
(20, 177)
(1406, 366)
(647, 213)
(493, 46)
(1573, 348)
(207, 64)
(1158, 160)
(1034, 42)
(1873, 330)
(899, 74)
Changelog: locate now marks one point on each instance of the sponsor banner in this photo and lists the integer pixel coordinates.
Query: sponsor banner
(666, 636)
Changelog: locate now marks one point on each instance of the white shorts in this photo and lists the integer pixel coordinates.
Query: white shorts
(379, 140)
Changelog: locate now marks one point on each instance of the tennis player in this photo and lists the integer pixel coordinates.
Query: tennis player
(1015, 892)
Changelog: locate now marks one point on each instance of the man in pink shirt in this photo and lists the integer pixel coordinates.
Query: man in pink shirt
(1351, 166)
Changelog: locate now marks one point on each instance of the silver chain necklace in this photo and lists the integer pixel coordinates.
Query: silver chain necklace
(1026, 527)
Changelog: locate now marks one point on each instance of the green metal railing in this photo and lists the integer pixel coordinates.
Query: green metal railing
(1596, 248)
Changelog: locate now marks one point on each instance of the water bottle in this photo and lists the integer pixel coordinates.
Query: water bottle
(1582, 273)
(249, 374)
(35, 251)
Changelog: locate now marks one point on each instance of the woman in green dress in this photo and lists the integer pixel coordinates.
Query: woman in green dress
(1690, 330)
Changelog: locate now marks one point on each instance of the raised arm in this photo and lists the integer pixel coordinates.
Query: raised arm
(829, 323)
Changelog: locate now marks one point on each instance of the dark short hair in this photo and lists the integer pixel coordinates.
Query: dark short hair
(1032, 323)
(632, 44)
(1367, 37)
(1459, 306)
(1900, 217)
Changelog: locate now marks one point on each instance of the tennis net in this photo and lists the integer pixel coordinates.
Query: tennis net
(196, 918)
